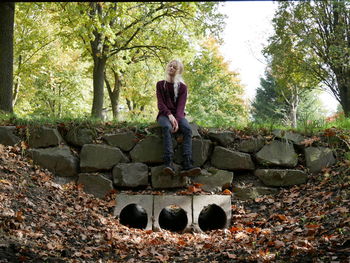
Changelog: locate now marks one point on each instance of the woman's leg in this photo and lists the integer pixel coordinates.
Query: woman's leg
(168, 151)
(164, 122)
(188, 168)
(186, 130)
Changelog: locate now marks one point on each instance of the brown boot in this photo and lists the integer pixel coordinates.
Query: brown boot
(169, 167)
(188, 169)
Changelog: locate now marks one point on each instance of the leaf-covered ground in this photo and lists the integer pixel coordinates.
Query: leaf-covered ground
(41, 221)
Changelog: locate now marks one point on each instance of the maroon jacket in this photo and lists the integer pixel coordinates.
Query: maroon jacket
(165, 99)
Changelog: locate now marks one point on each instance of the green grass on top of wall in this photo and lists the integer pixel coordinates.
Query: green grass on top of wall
(307, 128)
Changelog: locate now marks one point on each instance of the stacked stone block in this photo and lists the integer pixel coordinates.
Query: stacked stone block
(127, 161)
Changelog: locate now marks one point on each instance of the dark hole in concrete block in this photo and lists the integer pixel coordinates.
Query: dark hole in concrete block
(212, 217)
(173, 218)
(133, 215)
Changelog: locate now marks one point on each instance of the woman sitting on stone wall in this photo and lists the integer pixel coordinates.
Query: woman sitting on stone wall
(172, 98)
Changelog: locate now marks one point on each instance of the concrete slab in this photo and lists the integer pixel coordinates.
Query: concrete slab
(145, 201)
(163, 201)
(217, 209)
(182, 213)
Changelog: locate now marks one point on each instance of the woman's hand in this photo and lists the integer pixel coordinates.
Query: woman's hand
(174, 123)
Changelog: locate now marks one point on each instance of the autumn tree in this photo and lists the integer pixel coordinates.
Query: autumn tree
(139, 94)
(32, 41)
(110, 29)
(131, 81)
(49, 77)
(320, 31)
(7, 13)
(215, 91)
(60, 88)
(136, 82)
(131, 88)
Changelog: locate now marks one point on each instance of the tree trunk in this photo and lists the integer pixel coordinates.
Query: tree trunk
(293, 116)
(115, 104)
(99, 51)
(114, 94)
(59, 101)
(345, 99)
(128, 103)
(114, 98)
(7, 13)
(344, 91)
(346, 109)
(17, 82)
(98, 83)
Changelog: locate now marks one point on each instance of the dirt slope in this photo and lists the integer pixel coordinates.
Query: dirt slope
(41, 221)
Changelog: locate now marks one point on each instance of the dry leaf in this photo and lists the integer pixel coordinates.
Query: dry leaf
(279, 244)
(231, 256)
(281, 217)
(241, 235)
(19, 216)
(227, 192)
(234, 229)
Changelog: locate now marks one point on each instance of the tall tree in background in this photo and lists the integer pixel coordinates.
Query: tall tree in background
(139, 93)
(7, 13)
(311, 109)
(50, 77)
(134, 82)
(267, 106)
(131, 82)
(31, 43)
(293, 81)
(270, 107)
(320, 30)
(215, 92)
(109, 29)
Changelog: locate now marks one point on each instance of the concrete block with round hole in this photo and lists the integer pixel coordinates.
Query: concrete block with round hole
(211, 212)
(173, 213)
(134, 210)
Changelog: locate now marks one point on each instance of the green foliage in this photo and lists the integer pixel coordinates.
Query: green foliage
(263, 127)
(267, 107)
(309, 128)
(7, 117)
(54, 63)
(316, 35)
(293, 77)
(347, 156)
(60, 89)
(54, 43)
(270, 107)
(49, 78)
(215, 92)
(72, 122)
(133, 32)
(140, 125)
(342, 123)
(310, 109)
(139, 92)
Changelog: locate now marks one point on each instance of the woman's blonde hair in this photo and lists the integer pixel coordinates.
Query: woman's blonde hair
(178, 77)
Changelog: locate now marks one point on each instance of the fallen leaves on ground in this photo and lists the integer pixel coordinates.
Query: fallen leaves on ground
(41, 221)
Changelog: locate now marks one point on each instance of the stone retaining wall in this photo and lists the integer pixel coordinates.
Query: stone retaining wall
(125, 160)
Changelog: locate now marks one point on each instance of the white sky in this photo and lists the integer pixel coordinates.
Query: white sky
(248, 27)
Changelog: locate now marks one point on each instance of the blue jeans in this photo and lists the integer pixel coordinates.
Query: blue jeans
(185, 129)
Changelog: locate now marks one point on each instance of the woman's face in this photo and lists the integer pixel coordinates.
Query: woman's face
(172, 68)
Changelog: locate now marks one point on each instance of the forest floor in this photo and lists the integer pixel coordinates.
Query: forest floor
(41, 221)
